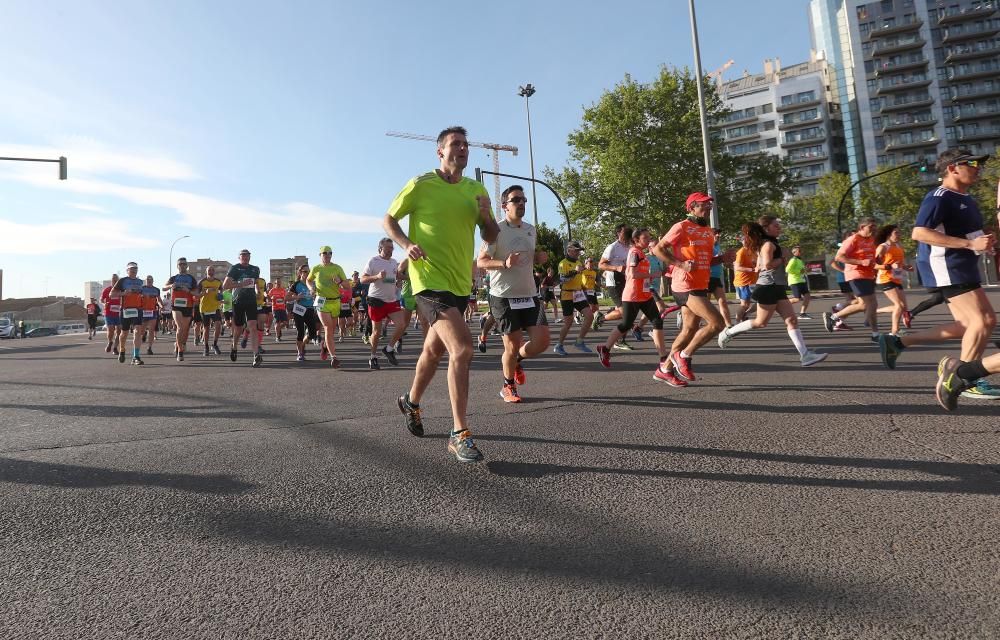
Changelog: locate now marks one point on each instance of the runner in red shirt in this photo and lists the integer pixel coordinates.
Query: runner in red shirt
(692, 241)
(277, 294)
(112, 301)
(93, 310)
(858, 255)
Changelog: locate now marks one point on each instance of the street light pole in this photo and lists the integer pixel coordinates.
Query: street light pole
(526, 92)
(170, 267)
(705, 140)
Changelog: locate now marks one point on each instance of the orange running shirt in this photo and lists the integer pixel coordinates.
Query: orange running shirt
(690, 241)
(892, 255)
(636, 289)
(748, 259)
(858, 247)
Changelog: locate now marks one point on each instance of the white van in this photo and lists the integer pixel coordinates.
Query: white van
(76, 327)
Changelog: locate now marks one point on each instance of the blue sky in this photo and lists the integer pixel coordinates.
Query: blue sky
(262, 124)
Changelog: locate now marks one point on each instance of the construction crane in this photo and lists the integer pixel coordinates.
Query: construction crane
(718, 73)
(495, 148)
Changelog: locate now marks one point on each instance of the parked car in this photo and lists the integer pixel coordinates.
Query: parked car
(7, 330)
(41, 332)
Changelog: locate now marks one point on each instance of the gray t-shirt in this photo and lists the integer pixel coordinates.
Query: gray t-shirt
(519, 281)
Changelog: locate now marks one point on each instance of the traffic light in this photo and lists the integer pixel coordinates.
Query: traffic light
(62, 167)
(925, 166)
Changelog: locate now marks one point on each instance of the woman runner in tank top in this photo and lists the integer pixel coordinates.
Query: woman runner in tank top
(762, 238)
(890, 262)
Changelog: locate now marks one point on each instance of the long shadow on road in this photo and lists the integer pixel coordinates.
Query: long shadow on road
(70, 476)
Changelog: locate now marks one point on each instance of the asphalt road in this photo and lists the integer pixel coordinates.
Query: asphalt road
(212, 500)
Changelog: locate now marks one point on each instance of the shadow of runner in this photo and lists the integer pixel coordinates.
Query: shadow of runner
(109, 411)
(70, 476)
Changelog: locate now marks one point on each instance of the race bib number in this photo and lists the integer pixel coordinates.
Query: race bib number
(589, 292)
(645, 286)
(181, 303)
(522, 303)
(298, 309)
(389, 280)
(579, 296)
(147, 314)
(897, 274)
(130, 313)
(260, 308)
(320, 301)
(115, 308)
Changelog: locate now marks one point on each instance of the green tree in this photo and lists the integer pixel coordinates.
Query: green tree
(638, 153)
(551, 242)
(811, 221)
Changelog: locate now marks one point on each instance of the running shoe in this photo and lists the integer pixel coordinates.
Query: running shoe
(682, 366)
(232, 355)
(107, 349)
(197, 340)
(412, 414)
(206, 352)
(390, 356)
(907, 319)
(949, 386)
(243, 343)
(115, 350)
(597, 322)
(300, 358)
(982, 390)
(121, 356)
(482, 322)
(668, 377)
(829, 321)
(509, 394)
(399, 346)
(621, 345)
(149, 351)
(334, 362)
(680, 320)
(481, 344)
(323, 353)
(889, 348)
(724, 338)
(373, 363)
(576, 318)
(519, 377)
(559, 350)
(137, 361)
(218, 351)
(582, 347)
(462, 446)
(604, 356)
(637, 334)
(260, 350)
(842, 326)
(875, 337)
(180, 356)
(812, 358)
(805, 316)
(364, 339)
(257, 359)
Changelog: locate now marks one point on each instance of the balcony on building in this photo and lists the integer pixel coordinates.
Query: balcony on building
(895, 45)
(914, 62)
(985, 69)
(812, 157)
(907, 102)
(905, 121)
(795, 104)
(952, 16)
(982, 91)
(742, 138)
(743, 116)
(929, 143)
(969, 32)
(976, 135)
(971, 52)
(798, 141)
(890, 85)
(887, 29)
(970, 115)
(784, 126)
(802, 177)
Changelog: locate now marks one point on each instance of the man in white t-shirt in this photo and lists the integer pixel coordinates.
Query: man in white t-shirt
(513, 297)
(613, 265)
(383, 301)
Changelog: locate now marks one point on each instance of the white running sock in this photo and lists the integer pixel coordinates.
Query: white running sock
(798, 341)
(742, 327)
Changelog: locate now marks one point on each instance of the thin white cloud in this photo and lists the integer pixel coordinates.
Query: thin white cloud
(87, 156)
(83, 206)
(203, 212)
(91, 234)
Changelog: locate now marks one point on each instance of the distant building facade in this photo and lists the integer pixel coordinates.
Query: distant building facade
(284, 268)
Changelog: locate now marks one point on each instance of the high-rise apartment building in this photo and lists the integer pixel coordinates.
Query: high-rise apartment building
(284, 268)
(787, 112)
(199, 268)
(926, 73)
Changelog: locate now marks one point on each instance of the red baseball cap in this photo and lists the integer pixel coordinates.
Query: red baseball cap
(697, 196)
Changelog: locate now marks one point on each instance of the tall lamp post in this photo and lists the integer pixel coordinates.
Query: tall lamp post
(170, 266)
(526, 92)
(705, 140)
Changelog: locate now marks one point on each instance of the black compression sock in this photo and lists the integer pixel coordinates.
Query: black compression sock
(972, 371)
(508, 381)
(410, 403)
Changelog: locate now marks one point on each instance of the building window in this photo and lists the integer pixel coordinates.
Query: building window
(769, 125)
(767, 108)
(886, 6)
(772, 143)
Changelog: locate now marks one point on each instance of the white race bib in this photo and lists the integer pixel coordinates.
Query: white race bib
(579, 296)
(130, 313)
(181, 303)
(320, 301)
(589, 292)
(522, 303)
(147, 314)
(645, 285)
(299, 310)
(115, 308)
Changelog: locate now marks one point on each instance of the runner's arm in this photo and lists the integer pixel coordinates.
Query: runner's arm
(938, 239)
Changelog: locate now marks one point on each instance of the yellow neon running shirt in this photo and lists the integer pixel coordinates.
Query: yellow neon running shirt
(443, 220)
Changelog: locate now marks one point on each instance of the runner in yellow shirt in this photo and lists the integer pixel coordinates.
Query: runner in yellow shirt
(324, 282)
(210, 305)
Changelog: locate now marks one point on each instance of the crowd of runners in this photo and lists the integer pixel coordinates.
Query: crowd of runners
(433, 286)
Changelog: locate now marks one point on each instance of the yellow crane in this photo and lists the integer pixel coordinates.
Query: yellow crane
(495, 148)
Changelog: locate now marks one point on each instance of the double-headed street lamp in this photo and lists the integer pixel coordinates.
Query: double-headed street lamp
(526, 92)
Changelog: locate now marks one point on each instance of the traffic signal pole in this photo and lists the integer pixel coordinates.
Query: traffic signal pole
(923, 164)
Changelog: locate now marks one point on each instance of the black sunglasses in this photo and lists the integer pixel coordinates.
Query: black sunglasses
(517, 199)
